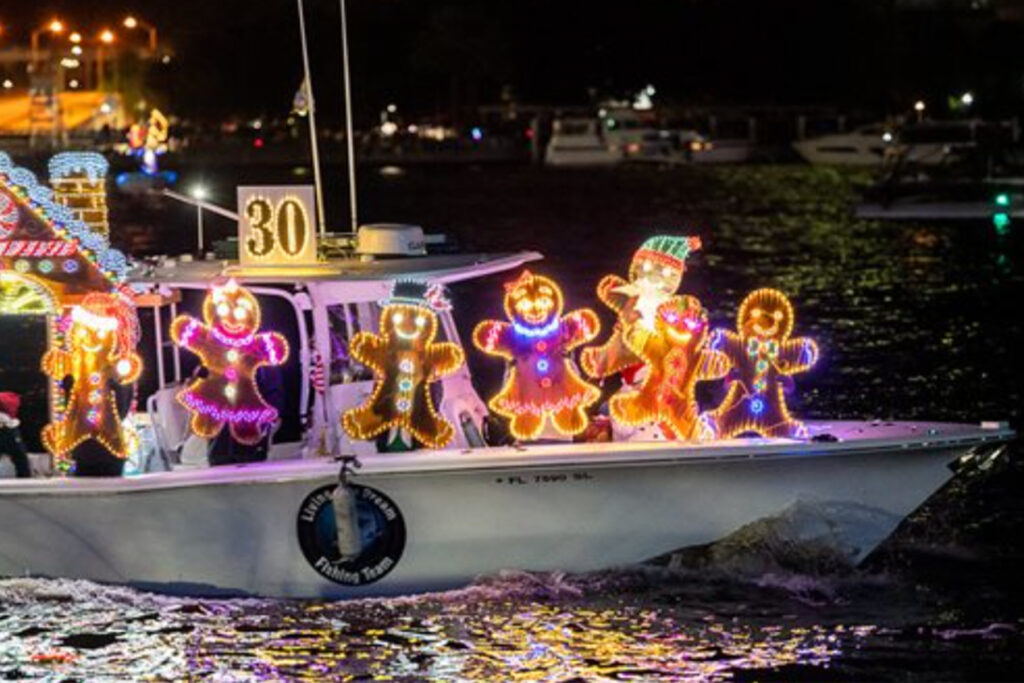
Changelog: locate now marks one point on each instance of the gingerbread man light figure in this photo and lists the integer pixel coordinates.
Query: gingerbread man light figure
(677, 358)
(655, 274)
(405, 361)
(541, 381)
(763, 357)
(231, 349)
(101, 343)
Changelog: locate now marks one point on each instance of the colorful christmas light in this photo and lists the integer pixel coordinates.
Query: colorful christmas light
(541, 383)
(655, 274)
(101, 343)
(21, 185)
(405, 361)
(762, 355)
(231, 349)
(676, 356)
(79, 183)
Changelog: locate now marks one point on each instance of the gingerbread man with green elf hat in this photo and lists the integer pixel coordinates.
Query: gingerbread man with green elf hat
(655, 274)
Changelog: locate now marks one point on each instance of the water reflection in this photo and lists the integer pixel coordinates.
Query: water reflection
(481, 634)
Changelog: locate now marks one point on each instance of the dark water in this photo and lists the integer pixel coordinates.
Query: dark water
(915, 321)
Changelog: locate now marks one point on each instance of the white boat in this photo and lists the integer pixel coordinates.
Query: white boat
(863, 146)
(580, 142)
(921, 143)
(435, 519)
(402, 522)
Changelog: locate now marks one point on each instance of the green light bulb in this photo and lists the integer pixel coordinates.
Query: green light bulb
(1002, 199)
(1001, 221)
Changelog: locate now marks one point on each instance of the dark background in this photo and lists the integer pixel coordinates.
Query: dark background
(443, 57)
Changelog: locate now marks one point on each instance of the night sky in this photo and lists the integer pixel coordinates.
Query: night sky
(435, 56)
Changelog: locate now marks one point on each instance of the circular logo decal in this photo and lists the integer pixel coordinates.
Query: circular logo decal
(371, 528)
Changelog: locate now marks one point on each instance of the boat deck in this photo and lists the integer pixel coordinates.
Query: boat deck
(831, 438)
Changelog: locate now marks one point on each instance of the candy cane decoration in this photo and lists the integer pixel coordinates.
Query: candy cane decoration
(8, 215)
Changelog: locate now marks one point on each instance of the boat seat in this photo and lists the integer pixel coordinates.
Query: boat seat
(170, 423)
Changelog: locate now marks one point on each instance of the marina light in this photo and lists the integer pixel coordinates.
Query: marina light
(130, 22)
(199, 192)
(887, 136)
(392, 108)
(55, 26)
(919, 106)
(967, 99)
(1002, 199)
(75, 37)
(76, 50)
(8, 84)
(73, 83)
(107, 36)
(476, 133)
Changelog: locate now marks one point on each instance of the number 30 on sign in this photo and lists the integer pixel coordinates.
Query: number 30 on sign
(276, 225)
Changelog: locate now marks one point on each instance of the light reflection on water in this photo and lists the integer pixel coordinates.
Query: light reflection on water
(482, 634)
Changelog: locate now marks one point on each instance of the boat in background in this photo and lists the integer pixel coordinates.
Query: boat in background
(922, 143)
(977, 183)
(580, 141)
(863, 146)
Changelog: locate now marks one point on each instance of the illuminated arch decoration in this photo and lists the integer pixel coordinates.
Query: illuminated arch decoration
(655, 273)
(763, 358)
(231, 348)
(100, 352)
(405, 361)
(676, 356)
(45, 240)
(541, 383)
(23, 295)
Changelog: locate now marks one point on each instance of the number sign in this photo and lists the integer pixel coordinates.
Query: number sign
(276, 225)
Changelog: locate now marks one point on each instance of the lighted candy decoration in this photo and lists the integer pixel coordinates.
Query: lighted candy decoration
(101, 343)
(541, 382)
(655, 274)
(232, 350)
(762, 357)
(8, 216)
(676, 356)
(405, 361)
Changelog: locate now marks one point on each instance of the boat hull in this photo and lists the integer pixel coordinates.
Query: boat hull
(242, 530)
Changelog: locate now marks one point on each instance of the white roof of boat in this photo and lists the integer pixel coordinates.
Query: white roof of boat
(852, 438)
(443, 268)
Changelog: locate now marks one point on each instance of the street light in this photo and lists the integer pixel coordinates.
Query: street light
(107, 36)
(919, 108)
(75, 37)
(967, 99)
(55, 27)
(131, 22)
(199, 193)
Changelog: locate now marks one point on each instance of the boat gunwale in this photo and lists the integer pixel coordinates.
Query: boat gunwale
(501, 459)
